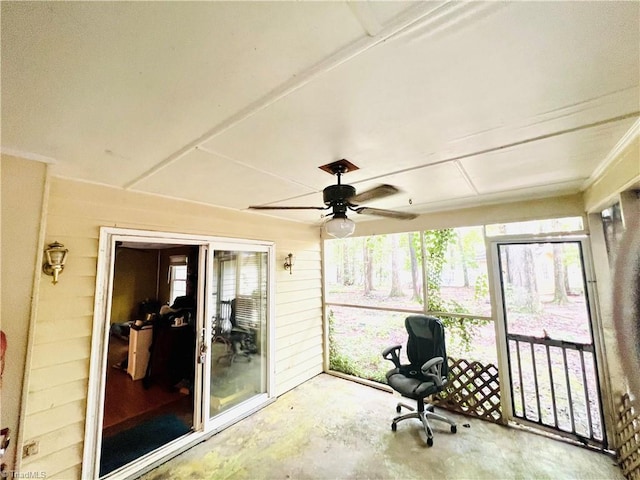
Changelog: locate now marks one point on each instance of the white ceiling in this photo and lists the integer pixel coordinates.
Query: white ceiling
(238, 103)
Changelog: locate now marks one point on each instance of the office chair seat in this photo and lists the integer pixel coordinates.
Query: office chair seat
(426, 375)
(410, 387)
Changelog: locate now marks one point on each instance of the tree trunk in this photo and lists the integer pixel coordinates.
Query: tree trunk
(559, 277)
(567, 286)
(340, 265)
(530, 272)
(346, 268)
(463, 261)
(368, 267)
(415, 272)
(522, 275)
(396, 289)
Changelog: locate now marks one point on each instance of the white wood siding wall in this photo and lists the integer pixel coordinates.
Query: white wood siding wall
(58, 376)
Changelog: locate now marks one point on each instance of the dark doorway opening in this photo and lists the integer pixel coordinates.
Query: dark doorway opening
(149, 394)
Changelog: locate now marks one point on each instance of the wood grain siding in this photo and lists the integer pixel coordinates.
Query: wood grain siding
(23, 187)
(299, 321)
(56, 404)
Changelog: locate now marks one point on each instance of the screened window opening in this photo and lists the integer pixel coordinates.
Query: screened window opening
(536, 227)
(373, 283)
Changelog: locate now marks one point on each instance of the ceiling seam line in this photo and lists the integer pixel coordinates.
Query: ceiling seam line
(417, 14)
(519, 189)
(466, 176)
(231, 159)
(508, 145)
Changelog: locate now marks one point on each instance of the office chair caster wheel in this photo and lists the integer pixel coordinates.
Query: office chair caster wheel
(429, 442)
(454, 429)
(394, 427)
(398, 409)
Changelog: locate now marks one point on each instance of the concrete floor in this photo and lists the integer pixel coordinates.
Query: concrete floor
(329, 428)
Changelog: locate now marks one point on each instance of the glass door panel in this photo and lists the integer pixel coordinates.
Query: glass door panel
(238, 359)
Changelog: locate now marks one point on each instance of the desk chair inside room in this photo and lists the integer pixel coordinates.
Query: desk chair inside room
(425, 375)
(235, 336)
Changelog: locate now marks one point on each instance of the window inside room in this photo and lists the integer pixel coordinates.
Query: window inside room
(177, 280)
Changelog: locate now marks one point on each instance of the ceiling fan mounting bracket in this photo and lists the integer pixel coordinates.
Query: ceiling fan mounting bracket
(339, 167)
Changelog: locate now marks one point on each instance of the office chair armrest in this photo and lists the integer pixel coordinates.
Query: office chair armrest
(433, 370)
(391, 354)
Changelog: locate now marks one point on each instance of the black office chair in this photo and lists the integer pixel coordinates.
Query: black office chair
(425, 375)
(238, 339)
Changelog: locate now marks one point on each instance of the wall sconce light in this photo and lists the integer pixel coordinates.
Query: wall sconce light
(56, 255)
(289, 261)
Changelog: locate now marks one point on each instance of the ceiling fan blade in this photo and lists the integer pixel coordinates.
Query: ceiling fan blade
(386, 213)
(374, 193)
(274, 207)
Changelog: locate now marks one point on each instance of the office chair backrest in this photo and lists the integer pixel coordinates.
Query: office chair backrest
(426, 341)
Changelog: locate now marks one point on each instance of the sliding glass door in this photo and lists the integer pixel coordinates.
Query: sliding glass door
(182, 344)
(236, 374)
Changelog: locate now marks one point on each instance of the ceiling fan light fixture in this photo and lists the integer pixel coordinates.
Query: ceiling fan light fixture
(339, 226)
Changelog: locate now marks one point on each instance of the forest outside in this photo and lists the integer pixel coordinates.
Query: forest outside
(384, 274)
(373, 283)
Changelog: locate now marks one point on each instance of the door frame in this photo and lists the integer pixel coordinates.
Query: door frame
(202, 427)
(500, 321)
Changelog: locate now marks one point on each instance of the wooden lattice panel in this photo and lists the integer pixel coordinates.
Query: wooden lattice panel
(473, 389)
(628, 433)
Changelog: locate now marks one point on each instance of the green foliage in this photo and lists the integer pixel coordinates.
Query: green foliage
(337, 360)
(462, 329)
(481, 287)
(359, 357)
(344, 364)
(414, 237)
(469, 240)
(436, 245)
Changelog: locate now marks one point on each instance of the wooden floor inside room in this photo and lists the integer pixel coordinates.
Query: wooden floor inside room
(128, 402)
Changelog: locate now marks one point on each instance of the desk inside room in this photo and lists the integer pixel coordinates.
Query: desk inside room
(140, 340)
(172, 358)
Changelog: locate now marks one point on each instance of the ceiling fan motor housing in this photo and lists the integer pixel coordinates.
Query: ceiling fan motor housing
(337, 194)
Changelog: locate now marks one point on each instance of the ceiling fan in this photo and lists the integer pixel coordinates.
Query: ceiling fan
(340, 198)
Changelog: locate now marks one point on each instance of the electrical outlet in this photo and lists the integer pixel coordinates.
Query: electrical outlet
(30, 449)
